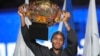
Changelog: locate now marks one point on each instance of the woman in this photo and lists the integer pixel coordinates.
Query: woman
(57, 40)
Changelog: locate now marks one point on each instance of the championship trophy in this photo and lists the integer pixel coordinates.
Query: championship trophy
(42, 14)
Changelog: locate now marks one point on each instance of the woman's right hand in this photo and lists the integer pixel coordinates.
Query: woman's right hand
(22, 15)
(21, 11)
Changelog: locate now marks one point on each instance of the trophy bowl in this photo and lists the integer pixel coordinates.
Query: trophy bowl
(44, 12)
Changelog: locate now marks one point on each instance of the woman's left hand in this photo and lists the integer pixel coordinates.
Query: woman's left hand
(66, 16)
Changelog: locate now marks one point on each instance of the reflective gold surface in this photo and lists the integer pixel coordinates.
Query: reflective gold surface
(43, 11)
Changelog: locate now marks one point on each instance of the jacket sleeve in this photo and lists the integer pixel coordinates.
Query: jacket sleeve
(71, 43)
(25, 34)
(36, 48)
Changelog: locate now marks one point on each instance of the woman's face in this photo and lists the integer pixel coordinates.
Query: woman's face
(57, 41)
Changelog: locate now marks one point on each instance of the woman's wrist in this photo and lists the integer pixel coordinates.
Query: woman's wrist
(67, 26)
(22, 21)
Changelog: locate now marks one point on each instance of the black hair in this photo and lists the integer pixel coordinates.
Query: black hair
(57, 32)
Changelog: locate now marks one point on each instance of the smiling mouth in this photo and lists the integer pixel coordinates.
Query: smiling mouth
(57, 45)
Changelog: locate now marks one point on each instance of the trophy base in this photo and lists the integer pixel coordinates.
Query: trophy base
(38, 31)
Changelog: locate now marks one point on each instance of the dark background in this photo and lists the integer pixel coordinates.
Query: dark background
(16, 3)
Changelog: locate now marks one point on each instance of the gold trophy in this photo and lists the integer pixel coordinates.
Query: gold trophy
(43, 11)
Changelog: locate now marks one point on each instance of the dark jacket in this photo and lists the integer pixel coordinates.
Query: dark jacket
(40, 50)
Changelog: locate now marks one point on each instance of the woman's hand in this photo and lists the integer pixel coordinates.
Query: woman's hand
(22, 15)
(66, 16)
(21, 11)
